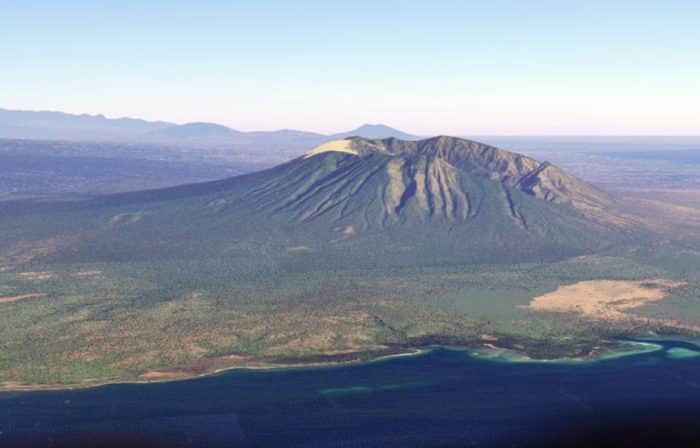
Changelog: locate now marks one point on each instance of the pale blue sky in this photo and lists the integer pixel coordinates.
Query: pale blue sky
(459, 67)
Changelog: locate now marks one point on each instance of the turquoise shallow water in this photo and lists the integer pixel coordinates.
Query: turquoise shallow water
(440, 398)
(682, 353)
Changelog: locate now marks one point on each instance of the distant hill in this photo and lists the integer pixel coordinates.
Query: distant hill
(59, 126)
(195, 131)
(41, 125)
(374, 131)
(292, 137)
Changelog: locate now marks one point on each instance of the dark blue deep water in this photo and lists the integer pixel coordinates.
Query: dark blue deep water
(442, 398)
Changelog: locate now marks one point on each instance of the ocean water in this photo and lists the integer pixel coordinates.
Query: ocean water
(440, 398)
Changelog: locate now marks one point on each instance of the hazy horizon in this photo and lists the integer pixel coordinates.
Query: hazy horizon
(482, 68)
(358, 125)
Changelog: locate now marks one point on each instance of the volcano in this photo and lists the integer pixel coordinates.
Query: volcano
(353, 201)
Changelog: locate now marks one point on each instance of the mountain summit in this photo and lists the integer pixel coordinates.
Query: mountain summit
(440, 177)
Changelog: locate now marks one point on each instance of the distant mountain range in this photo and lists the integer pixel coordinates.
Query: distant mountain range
(58, 125)
(49, 125)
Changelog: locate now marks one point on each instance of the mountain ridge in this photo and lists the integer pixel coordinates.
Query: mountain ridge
(539, 179)
(60, 125)
(85, 127)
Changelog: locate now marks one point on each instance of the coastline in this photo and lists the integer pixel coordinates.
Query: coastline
(259, 366)
(510, 356)
(486, 353)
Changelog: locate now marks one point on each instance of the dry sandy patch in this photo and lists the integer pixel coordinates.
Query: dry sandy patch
(155, 375)
(10, 299)
(604, 299)
(38, 275)
(346, 146)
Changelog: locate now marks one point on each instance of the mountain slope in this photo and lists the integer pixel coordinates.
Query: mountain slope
(441, 199)
(429, 174)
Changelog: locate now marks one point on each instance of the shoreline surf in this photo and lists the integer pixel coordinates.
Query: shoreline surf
(496, 355)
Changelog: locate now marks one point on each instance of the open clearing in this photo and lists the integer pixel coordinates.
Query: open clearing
(604, 299)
